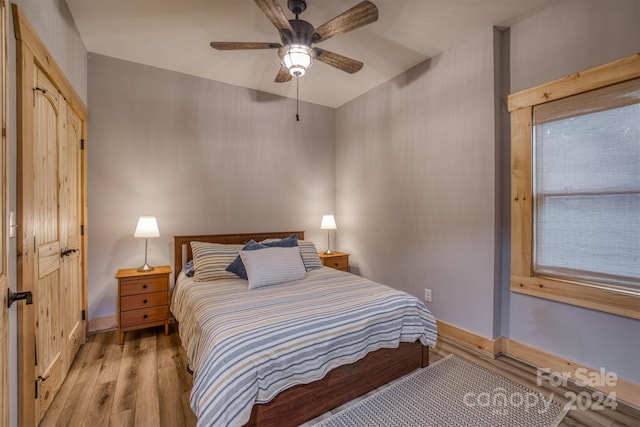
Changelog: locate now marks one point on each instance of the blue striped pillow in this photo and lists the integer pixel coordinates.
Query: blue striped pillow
(272, 266)
(309, 255)
(210, 260)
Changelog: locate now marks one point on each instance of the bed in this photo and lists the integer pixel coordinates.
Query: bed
(258, 374)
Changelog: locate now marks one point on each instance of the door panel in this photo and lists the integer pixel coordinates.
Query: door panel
(50, 347)
(48, 259)
(70, 220)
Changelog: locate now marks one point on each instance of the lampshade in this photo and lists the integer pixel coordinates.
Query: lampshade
(297, 58)
(328, 223)
(147, 227)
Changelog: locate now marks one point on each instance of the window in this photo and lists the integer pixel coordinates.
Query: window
(576, 189)
(587, 186)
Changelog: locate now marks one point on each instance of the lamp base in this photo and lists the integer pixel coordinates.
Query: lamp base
(146, 267)
(328, 252)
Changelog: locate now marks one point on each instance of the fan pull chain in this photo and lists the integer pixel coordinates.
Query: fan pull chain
(297, 98)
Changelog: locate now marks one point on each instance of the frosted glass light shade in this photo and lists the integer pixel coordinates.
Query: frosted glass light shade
(147, 227)
(328, 223)
(297, 58)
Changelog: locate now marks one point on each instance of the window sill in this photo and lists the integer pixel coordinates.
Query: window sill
(623, 302)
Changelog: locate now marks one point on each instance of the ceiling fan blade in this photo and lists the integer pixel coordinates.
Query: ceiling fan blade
(243, 45)
(283, 76)
(360, 15)
(340, 62)
(273, 11)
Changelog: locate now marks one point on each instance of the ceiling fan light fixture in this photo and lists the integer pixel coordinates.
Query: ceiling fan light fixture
(297, 58)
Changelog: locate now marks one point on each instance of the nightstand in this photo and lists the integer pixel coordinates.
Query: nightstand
(143, 299)
(337, 260)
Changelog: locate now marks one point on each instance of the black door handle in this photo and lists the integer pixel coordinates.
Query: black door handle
(66, 252)
(16, 296)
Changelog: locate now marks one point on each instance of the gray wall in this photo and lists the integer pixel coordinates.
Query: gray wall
(52, 21)
(570, 37)
(422, 180)
(201, 156)
(416, 183)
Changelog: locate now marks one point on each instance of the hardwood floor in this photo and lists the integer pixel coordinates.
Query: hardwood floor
(144, 383)
(141, 383)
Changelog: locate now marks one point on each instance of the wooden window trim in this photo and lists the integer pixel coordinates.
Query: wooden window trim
(601, 297)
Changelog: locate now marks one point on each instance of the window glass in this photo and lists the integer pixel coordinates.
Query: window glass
(587, 193)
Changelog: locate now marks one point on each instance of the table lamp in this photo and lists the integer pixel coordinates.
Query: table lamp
(328, 223)
(147, 228)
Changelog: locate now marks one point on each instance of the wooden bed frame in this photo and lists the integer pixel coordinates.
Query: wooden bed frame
(307, 401)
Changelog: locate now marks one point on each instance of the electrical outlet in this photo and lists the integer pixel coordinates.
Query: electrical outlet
(427, 295)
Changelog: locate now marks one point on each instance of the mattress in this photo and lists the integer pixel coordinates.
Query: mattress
(245, 346)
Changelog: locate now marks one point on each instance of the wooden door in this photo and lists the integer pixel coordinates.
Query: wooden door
(4, 256)
(56, 221)
(51, 206)
(70, 214)
(50, 349)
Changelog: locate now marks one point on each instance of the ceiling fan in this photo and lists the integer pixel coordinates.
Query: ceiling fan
(297, 36)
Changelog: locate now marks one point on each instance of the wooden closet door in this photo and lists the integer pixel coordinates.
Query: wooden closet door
(51, 196)
(70, 214)
(50, 306)
(57, 218)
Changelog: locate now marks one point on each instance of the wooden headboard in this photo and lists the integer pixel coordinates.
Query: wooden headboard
(179, 242)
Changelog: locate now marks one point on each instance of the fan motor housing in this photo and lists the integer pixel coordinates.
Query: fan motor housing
(302, 33)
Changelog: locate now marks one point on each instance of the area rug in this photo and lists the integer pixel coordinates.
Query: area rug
(451, 392)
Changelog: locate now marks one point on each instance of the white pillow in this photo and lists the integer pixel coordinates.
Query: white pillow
(308, 252)
(271, 266)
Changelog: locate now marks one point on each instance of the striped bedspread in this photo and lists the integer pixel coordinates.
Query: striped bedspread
(246, 346)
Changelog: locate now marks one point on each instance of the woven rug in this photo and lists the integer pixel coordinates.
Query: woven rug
(451, 392)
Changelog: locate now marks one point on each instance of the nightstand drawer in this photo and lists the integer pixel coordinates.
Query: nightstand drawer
(135, 302)
(135, 317)
(339, 263)
(337, 260)
(143, 285)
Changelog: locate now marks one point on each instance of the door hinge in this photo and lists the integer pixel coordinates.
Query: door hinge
(84, 315)
(82, 144)
(82, 229)
(34, 93)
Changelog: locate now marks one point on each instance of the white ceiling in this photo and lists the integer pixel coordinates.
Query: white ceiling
(175, 35)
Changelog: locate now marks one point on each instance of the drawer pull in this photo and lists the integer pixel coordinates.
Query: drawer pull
(145, 316)
(335, 263)
(144, 286)
(144, 301)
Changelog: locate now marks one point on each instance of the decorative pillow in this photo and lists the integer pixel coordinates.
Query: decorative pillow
(271, 266)
(188, 269)
(210, 260)
(237, 266)
(309, 255)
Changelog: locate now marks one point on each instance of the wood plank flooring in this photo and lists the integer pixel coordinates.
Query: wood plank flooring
(144, 383)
